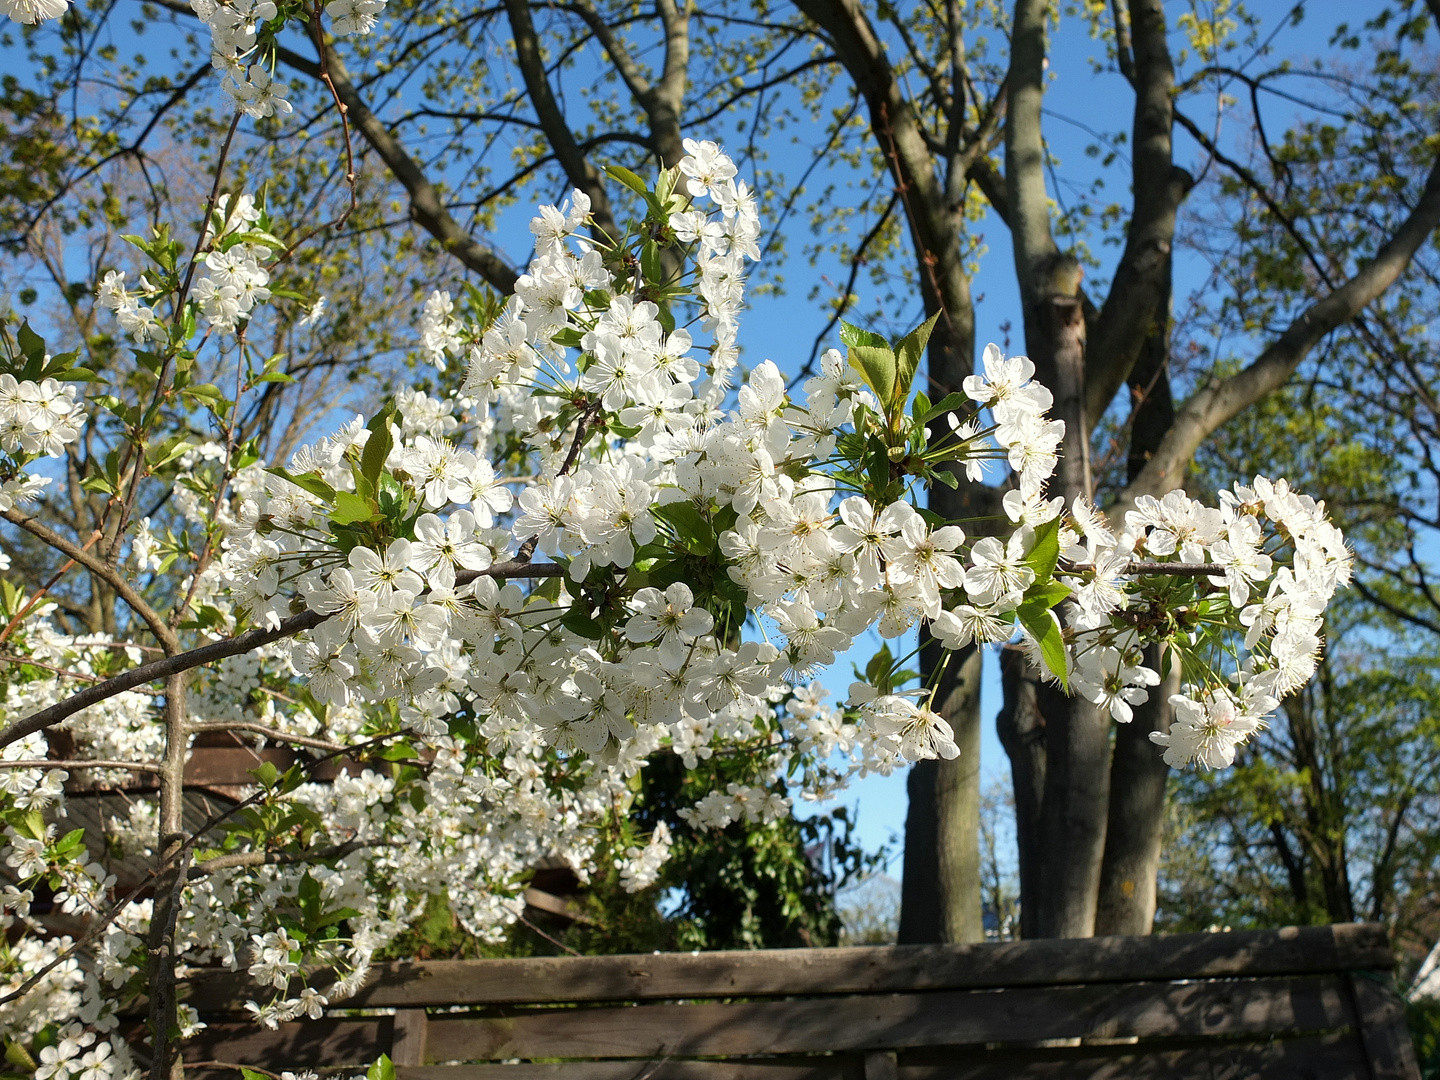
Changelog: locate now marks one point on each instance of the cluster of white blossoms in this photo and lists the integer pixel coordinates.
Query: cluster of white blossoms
(1280, 605)
(236, 245)
(136, 318)
(598, 550)
(31, 12)
(38, 419)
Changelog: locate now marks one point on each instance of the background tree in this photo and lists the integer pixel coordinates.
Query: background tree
(530, 98)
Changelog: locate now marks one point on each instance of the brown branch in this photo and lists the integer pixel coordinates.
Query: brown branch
(83, 763)
(261, 729)
(1142, 277)
(63, 672)
(277, 858)
(104, 571)
(426, 207)
(318, 32)
(1221, 399)
(580, 171)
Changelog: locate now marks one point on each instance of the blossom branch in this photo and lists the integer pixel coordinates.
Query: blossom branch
(278, 858)
(208, 653)
(269, 733)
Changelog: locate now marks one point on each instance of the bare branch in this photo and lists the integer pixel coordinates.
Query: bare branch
(1221, 399)
(104, 571)
(84, 763)
(273, 734)
(578, 168)
(425, 205)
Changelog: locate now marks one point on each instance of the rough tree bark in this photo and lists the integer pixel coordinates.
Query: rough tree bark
(1138, 773)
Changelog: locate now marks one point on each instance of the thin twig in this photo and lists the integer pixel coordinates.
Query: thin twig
(63, 672)
(84, 763)
(318, 32)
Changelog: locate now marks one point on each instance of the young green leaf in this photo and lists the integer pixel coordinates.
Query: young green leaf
(876, 365)
(1045, 550)
(852, 336)
(350, 508)
(1044, 627)
(307, 482)
(909, 351)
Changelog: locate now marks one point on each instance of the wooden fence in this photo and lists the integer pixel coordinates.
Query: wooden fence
(1313, 1003)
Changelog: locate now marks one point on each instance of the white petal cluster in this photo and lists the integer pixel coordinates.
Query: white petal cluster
(136, 318)
(38, 419)
(1276, 563)
(31, 12)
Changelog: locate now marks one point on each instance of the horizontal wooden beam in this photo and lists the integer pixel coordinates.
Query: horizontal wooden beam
(1224, 1007)
(1335, 1057)
(1219, 1011)
(1288, 951)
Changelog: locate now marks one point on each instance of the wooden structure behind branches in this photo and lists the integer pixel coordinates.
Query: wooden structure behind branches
(1307, 1002)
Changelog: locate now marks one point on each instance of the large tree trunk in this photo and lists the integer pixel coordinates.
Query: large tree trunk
(1136, 827)
(940, 894)
(1022, 734)
(1138, 773)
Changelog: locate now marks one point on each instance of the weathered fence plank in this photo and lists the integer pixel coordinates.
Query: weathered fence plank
(1333, 1057)
(1307, 1003)
(1291, 951)
(893, 1021)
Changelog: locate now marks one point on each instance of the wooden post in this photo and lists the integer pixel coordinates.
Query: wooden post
(1382, 1028)
(407, 1044)
(881, 1065)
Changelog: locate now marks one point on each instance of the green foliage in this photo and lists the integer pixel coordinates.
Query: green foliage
(1423, 1019)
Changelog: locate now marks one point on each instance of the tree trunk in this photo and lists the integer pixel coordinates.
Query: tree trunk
(940, 893)
(167, 1063)
(1136, 827)
(1138, 773)
(1022, 733)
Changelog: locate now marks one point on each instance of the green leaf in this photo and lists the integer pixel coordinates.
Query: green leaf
(949, 403)
(852, 336)
(1049, 593)
(378, 446)
(876, 365)
(266, 774)
(920, 407)
(309, 899)
(690, 526)
(31, 343)
(251, 1074)
(18, 1056)
(339, 915)
(650, 262)
(908, 352)
(69, 842)
(381, 1070)
(1045, 551)
(1037, 618)
(310, 482)
(207, 392)
(628, 178)
(350, 508)
(579, 623)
